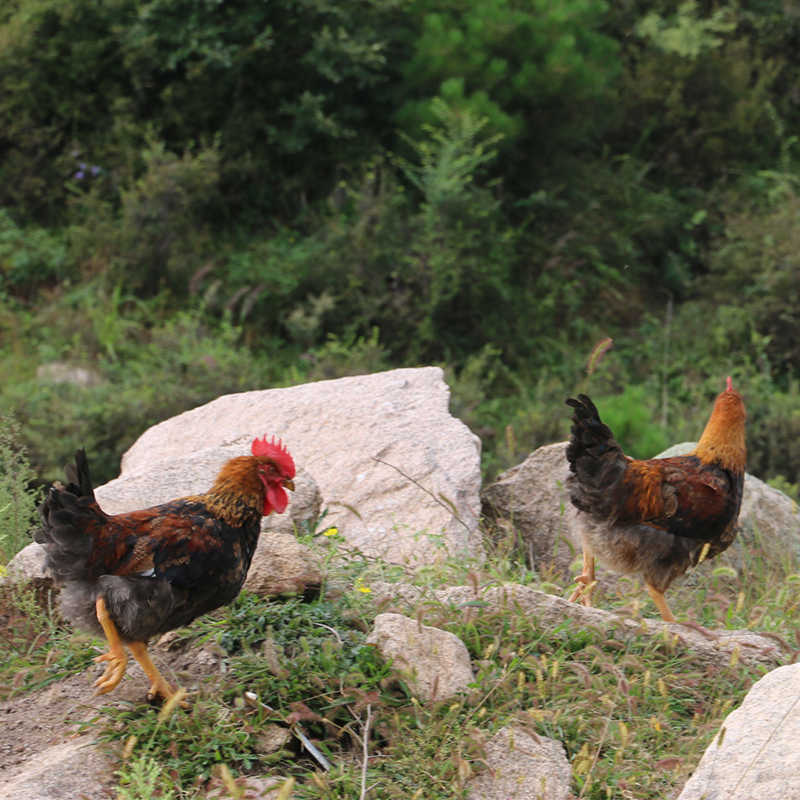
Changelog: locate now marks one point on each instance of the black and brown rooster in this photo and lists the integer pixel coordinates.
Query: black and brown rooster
(134, 576)
(661, 516)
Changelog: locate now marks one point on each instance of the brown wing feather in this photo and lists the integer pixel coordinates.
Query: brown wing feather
(128, 543)
(679, 495)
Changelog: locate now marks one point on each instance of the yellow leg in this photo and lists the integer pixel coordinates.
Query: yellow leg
(160, 687)
(661, 604)
(586, 580)
(116, 658)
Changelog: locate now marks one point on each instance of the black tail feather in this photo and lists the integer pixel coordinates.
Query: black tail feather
(595, 458)
(80, 484)
(68, 516)
(589, 436)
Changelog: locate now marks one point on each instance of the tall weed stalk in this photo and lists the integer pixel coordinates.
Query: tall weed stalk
(17, 500)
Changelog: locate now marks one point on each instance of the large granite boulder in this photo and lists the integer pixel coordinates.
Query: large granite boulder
(399, 475)
(529, 501)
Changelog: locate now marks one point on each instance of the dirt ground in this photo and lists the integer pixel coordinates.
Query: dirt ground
(35, 721)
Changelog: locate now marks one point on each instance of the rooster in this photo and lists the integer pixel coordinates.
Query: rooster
(137, 575)
(658, 517)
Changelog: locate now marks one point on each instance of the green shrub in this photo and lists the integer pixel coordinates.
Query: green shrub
(29, 257)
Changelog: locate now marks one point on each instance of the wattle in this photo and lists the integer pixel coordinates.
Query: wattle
(275, 499)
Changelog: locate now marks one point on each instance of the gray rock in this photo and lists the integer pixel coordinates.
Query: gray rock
(524, 766)
(551, 613)
(400, 475)
(26, 565)
(251, 787)
(282, 565)
(271, 738)
(757, 750)
(530, 500)
(59, 372)
(63, 772)
(434, 663)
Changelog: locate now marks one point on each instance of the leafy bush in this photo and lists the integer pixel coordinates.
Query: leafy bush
(688, 82)
(525, 67)
(84, 85)
(150, 232)
(29, 257)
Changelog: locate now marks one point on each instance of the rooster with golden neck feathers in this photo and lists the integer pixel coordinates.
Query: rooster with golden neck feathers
(137, 575)
(657, 517)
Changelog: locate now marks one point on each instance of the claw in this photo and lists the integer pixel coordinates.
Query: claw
(586, 581)
(115, 669)
(161, 690)
(584, 591)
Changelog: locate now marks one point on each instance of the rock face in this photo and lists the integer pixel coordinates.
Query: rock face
(399, 475)
(522, 766)
(530, 499)
(435, 663)
(26, 565)
(757, 751)
(250, 787)
(59, 372)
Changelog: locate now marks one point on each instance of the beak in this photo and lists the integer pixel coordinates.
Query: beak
(287, 484)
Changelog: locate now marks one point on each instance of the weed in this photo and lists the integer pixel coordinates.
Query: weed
(17, 500)
(35, 648)
(140, 779)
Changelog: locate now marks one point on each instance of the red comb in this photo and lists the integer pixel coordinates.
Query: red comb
(277, 452)
(729, 386)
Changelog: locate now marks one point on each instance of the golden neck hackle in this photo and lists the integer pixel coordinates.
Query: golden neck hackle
(237, 493)
(723, 440)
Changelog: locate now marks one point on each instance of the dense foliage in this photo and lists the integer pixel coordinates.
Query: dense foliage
(205, 196)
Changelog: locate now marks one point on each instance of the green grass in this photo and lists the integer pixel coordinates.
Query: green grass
(18, 500)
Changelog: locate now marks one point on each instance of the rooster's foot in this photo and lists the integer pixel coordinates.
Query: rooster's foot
(161, 690)
(115, 669)
(584, 590)
(586, 582)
